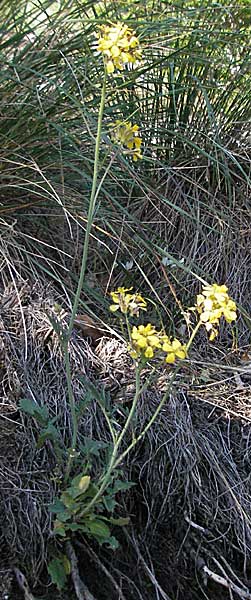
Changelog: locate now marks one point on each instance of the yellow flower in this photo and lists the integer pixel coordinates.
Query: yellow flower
(126, 302)
(126, 134)
(145, 340)
(119, 46)
(174, 349)
(214, 303)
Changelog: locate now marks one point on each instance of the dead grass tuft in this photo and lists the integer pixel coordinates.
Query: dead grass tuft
(192, 468)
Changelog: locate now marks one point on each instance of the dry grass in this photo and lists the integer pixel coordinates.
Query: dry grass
(192, 468)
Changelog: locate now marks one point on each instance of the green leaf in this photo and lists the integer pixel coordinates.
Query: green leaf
(84, 402)
(29, 407)
(57, 571)
(112, 542)
(57, 506)
(65, 516)
(92, 447)
(98, 529)
(84, 483)
(102, 398)
(49, 433)
(91, 492)
(66, 563)
(61, 531)
(76, 527)
(109, 503)
(122, 485)
(79, 485)
(69, 501)
(121, 521)
(59, 528)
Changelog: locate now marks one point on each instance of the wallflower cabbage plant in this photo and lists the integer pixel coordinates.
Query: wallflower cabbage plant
(83, 504)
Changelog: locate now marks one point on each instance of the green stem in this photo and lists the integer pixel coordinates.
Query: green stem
(72, 408)
(113, 461)
(159, 407)
(128, 328)
(150, 422)
(162, 402)
(91, 209)
(112, 432)
(193, 334)
(133, 407)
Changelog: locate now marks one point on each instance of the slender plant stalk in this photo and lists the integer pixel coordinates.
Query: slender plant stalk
(91, 209)
(160, 405)
(193, 334)
(72, 408)
(113, 460)
(108, 420)
(151, 421)
(133, 407)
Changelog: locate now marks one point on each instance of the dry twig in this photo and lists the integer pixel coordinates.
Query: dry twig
(227, 583)
(81, 589)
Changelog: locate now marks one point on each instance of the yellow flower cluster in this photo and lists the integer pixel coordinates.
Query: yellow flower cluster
(174, 349)
(127, 135)
(146, 341)
(214, 303)
(119, 45)
(126, 302)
